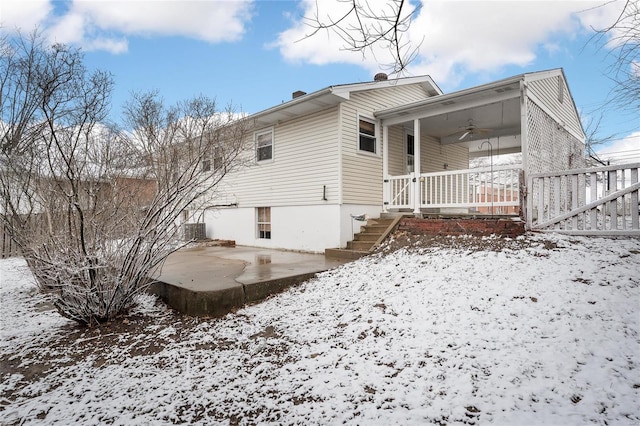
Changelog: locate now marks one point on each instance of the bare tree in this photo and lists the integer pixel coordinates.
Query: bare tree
(366, 25)
(623, 36)
(94, 209)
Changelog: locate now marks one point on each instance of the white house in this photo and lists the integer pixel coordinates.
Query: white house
(353, 149)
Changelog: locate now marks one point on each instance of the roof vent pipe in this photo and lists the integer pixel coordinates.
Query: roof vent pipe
(380, 77)
(297, 94)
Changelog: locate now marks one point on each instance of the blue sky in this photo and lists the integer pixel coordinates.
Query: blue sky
(247, 52)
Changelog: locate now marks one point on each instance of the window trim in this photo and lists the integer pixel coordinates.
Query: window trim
(256, 135)
(259, 223)
(376, 138)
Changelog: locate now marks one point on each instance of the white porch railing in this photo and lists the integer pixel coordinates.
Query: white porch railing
(596, 201)
(492, 190)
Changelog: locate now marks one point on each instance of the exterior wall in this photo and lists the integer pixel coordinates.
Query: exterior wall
(305, 159)
(303, 228)
(433, 155)
(554, 94)
(309, 153)
(362, 172)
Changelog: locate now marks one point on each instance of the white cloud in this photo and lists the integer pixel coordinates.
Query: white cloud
(105, 25)
(322, 48)
(458, 37)
(25, 15)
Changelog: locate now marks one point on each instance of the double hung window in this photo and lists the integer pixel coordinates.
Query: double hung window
(264, 146)
(367, 134)
(264, 222)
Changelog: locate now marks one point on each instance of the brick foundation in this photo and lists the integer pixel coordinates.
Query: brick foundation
(461, 226)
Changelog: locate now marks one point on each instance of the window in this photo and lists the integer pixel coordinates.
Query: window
(218, 159)
(367, 132)
(410, 156)
(264, 222)
(264, 146)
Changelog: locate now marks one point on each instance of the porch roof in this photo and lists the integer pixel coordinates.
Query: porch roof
(489, 111)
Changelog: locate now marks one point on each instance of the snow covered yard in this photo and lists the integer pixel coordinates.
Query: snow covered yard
(540, 330)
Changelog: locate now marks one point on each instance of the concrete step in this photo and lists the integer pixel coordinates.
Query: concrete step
(385, 222)
(367, 236)
(374, 229)
(360, 245)
(337, 253)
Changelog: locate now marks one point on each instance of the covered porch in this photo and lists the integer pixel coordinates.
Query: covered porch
(467, 153)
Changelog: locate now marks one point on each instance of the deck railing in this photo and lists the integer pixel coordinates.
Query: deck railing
(492, 190)
(595, 201)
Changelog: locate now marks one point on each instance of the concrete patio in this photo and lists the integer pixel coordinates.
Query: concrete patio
(212, 281)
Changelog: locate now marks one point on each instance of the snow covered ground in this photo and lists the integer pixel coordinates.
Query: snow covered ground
(543, 331)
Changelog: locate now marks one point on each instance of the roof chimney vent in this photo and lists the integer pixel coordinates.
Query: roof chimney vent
(380, 77)
(297, 94)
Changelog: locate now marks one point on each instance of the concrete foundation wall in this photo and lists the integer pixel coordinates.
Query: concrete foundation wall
(304, 228)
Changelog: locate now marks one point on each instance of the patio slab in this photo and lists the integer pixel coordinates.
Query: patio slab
(212, 281)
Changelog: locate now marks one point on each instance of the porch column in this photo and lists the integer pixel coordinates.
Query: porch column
(416, 167)
(385, 168)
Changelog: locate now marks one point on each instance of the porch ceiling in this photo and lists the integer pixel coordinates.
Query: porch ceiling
(499, 122)
(493, 109)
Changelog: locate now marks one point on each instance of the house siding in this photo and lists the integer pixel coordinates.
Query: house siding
(433, 155)
(547, 92)
(362, 172)
(305, 159)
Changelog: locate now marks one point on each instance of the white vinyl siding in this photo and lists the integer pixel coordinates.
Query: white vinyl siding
(305, 163)
(362, 174)
(433, 155)
(546, 91)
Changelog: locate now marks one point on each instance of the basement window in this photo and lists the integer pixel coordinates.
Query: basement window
(367, 133)
(264, 222)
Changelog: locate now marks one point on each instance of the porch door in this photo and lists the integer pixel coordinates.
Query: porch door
(409, 152)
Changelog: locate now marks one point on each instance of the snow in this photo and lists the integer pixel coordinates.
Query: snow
(544, 331)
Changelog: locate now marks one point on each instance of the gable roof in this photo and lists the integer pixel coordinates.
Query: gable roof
(331, 96)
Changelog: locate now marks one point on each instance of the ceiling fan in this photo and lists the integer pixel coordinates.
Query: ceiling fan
(471, 129)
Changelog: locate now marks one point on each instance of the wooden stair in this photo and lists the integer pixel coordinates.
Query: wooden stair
(369, 237)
